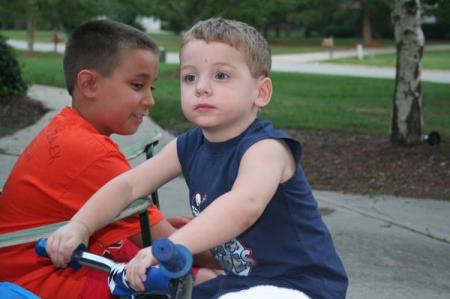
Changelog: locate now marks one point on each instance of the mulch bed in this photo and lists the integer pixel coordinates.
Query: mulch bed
(19, 112)
(363, 164)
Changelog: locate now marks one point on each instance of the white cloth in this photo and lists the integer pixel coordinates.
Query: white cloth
(265, 291)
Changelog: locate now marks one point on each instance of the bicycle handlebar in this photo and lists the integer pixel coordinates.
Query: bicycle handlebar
(175, 259)
(175, 263)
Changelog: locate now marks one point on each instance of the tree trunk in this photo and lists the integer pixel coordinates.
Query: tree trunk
(31, 26)
(407, 121)
(307, 31)
(367, 27)
(277, 30)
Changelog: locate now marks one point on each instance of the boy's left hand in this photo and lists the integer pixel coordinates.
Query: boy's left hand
(137, 268)
(63, 242)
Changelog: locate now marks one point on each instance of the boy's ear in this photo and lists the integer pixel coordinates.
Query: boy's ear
(87, 83)
(264, 92)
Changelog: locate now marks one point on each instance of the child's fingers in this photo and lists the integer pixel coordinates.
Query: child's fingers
(138, 277)
(62, 243)
(52, 250)
(133, 274)
(58, 251)
(137, 268)
(141, 275)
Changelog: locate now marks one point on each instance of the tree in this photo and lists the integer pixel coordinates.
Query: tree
(439, 9)
(179, 15)
(11, 81)
(56, 14)
(369, 11)
(371, 15)
(31, 15)
(66, 15)
(313, 15)
(21, 10)
(407, 121)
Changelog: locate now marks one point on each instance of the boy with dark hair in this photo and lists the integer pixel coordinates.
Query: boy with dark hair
(109, 70)
(253, 205)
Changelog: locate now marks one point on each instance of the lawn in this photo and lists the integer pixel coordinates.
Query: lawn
(279, 45)
(43, 36)
(433, 59)
(352, 104)
(294, 43)
(41, 68)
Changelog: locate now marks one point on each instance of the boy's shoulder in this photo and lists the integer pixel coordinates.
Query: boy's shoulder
(68, 131)
(263, 129)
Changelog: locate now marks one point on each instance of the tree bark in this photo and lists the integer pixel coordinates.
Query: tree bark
(407, 121)
(31, 25)
(367, 27)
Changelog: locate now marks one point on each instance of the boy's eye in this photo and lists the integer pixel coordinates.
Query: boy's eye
(222, 76)
(137, 85)
(190, 78)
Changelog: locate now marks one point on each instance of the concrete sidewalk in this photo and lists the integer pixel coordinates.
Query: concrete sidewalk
(391, 247)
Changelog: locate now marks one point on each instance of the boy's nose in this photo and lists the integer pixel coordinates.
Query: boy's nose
(148, 100)
(203, 88)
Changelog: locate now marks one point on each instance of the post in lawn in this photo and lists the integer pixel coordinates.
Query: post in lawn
(328, 42)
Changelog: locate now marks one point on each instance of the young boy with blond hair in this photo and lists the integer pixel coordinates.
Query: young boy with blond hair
(253, 206)
(109, 70)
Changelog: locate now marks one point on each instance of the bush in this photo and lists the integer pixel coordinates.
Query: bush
(11, 81)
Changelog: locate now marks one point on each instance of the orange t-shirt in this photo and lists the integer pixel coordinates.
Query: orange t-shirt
(55, 175)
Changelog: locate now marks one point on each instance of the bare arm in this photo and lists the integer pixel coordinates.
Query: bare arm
(110, 200)
(262, 168)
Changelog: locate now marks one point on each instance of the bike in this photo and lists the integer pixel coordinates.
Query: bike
(171, 279)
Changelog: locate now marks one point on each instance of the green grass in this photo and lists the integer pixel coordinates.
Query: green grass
(298, 44)
(171, 42)
(44, 36)
(292, 44)
(3, 132)
(433, 59)
(352, 104)
(42, 68)
(361, 105)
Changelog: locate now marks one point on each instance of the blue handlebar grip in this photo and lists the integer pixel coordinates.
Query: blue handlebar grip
(175, 260)
(39, 248)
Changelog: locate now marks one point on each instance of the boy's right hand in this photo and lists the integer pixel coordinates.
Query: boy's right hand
(137, 268)
(63, 242)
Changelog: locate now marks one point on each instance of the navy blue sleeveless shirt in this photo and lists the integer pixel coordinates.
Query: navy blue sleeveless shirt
(289, 245)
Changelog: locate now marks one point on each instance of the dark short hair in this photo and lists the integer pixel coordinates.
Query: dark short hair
(238, 35)
(97, 45)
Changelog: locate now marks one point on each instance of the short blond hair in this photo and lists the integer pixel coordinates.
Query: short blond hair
(238, 35)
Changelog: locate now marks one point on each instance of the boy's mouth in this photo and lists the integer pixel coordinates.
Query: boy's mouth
(203, 107)
(139, 116)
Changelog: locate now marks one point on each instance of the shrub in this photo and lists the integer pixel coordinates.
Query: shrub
(11, 81)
